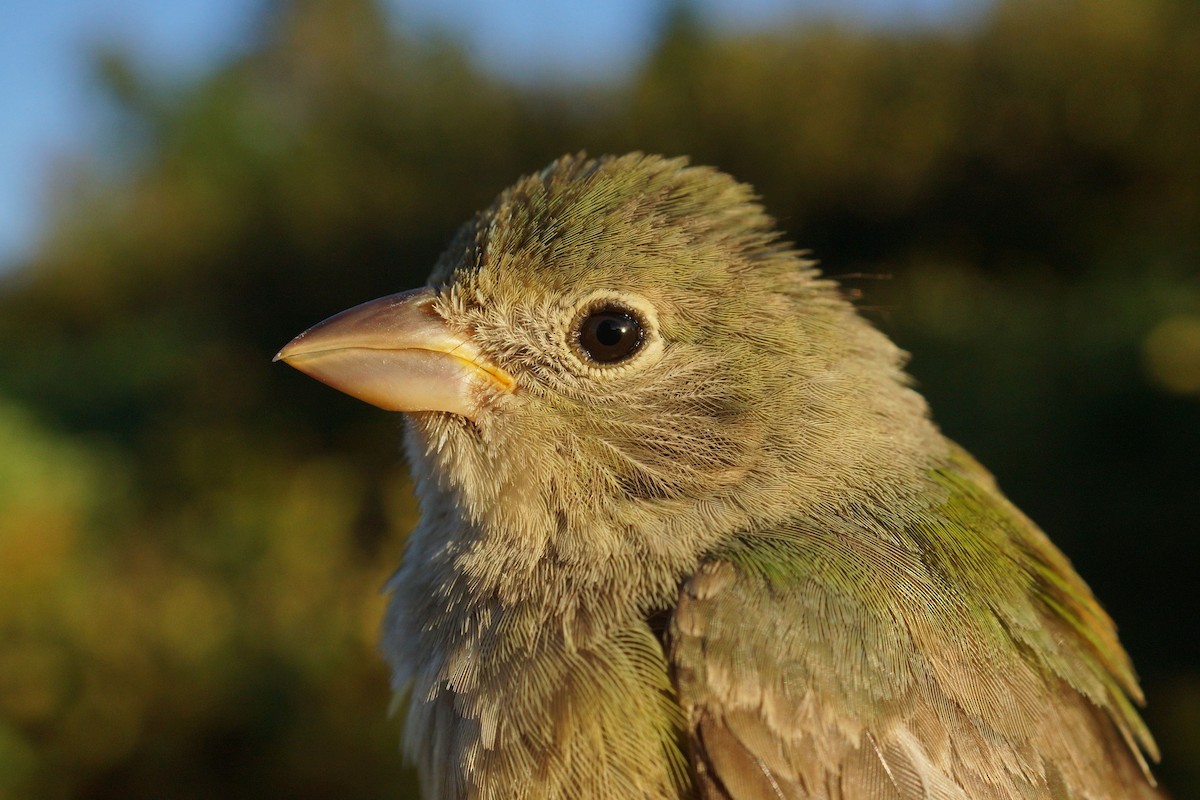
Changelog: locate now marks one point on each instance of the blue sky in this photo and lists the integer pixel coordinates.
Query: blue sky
(51, 111)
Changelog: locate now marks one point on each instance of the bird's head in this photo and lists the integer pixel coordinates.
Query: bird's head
(620, 360)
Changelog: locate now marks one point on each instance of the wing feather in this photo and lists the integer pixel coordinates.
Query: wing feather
(891, 664)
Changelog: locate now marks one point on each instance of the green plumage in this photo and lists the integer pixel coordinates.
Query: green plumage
(952, 644)
(738, 561)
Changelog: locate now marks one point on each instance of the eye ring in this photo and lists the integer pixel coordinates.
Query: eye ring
(608, 333)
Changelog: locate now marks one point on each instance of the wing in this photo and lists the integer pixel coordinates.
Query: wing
(951, 654)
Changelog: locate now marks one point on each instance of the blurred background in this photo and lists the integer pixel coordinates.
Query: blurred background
(192, 539)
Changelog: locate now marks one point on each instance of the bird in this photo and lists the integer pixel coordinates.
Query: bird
(687, 528)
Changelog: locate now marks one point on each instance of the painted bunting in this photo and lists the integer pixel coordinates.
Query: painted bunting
(687, 530)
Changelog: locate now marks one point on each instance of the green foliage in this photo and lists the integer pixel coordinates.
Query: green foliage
(191, 540)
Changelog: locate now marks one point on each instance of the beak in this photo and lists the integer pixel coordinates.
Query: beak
(398, 354)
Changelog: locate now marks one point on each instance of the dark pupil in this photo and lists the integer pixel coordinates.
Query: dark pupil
(610, 335)
(610, 332)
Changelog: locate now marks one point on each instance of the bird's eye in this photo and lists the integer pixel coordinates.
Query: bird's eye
(609, 334)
